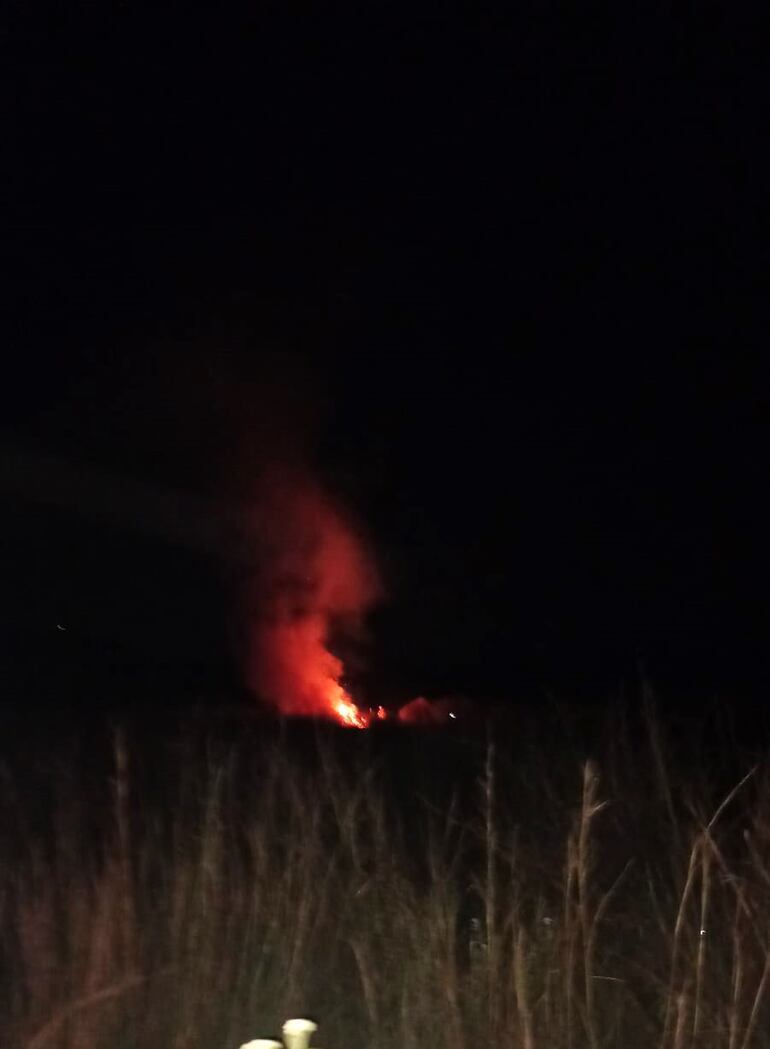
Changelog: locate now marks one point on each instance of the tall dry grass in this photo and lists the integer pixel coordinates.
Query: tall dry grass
(403, 891)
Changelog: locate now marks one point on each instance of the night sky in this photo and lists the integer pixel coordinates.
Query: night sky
(498, 284)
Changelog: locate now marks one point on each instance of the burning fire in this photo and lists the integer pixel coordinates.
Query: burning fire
(353, 717)
(316, 583)
(349, 714)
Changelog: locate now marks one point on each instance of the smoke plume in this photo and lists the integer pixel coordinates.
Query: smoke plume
(315, 582)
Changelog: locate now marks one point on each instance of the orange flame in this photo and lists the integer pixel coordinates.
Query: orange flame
(349, 714)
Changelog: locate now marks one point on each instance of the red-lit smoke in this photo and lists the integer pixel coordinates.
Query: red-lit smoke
(316, 581)
(421, 711)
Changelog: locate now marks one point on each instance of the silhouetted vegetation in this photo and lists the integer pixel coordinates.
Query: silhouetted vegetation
(548, 883)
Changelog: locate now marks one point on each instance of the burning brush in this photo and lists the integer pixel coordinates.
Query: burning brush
(317, 581)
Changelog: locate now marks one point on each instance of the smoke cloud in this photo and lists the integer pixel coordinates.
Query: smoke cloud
(316, 581)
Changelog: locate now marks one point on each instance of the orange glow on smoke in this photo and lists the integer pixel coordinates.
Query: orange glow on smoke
(316, 582)
(423, 711)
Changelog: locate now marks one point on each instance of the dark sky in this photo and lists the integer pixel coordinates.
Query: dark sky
(500, 281)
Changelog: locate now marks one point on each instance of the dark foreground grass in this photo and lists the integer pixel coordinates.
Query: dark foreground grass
(536, 887)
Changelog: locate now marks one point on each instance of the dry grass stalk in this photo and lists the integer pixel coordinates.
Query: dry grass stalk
(275, 885)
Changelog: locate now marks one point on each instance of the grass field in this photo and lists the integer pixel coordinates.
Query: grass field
(538, 885)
